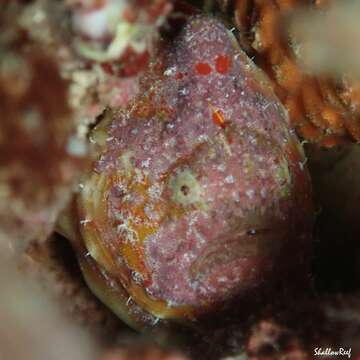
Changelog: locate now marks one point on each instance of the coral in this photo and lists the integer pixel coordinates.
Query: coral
(32, 325)
(95, 83)
(323, 108)
(201, 184)
(195, 220)
(48, 313)
(50, 94)
(54, 266)
(113, 40)
(269, 340)
(117, 32)
(313, 325)
(40, 154)
(142, 353)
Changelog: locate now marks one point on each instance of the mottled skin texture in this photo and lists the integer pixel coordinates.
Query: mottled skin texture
(200, 195)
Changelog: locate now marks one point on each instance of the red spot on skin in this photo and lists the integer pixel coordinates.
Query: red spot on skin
(179, 76)
(229, 138)
(222, 64)
(203, 68)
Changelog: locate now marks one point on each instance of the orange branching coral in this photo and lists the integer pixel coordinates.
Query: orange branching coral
(323, 109)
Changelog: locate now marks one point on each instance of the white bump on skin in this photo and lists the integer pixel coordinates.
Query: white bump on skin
(229, 179)
(170, 71)
(184, 91)
(236, 196)
(170, 143)
(154, 192)
(250, 193)
(145, 163)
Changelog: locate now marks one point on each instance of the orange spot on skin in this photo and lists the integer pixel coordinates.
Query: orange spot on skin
(222, 64)
(203, 68)
(218, 118)
(179, 76)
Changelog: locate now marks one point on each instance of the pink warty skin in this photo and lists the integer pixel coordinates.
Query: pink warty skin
(227, 196)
